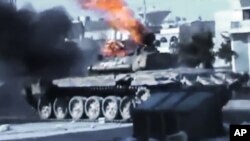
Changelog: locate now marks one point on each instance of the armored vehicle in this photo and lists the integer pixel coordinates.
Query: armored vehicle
(118, 82)
(115, 86)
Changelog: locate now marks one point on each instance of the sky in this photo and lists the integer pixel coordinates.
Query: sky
(191, 9)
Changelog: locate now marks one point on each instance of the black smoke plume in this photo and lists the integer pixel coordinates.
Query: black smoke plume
(196, 44)
(225, 52)
(148, 39)
(34, 44)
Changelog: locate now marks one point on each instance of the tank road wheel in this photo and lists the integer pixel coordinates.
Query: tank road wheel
(142, 94)
(60, 108)
(76, 107)
(93, 107)
(125, 108)
(110, 107)
(44, 108)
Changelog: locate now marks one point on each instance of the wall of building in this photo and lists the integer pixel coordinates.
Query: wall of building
(248, 52)
(95, 34)
(231, 21)
(109, 34)
(222, 25)
(167, 33)
(239, 4)
(241, 46)
(240, 35)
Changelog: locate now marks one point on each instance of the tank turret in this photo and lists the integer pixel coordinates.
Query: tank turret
(118, 58)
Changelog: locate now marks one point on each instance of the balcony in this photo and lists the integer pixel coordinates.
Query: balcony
(240, 26)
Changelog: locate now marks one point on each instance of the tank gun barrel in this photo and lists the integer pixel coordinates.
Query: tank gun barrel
(110, 69)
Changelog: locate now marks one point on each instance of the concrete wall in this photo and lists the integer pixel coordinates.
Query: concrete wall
(241, 46)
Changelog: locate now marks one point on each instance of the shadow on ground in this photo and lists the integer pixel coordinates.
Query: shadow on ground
(12, 103)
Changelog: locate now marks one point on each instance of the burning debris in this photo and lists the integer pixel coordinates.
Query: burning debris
(118, 15)
(114, 48)
(33, 43)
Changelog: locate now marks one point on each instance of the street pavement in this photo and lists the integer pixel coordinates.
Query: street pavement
(65, 131)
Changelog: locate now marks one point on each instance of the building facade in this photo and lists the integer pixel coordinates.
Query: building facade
(240, 35)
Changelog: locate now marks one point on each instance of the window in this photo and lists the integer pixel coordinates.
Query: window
(246, 14)
(173, 39)
(163, 40)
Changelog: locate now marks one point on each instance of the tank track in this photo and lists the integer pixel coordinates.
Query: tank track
(93, 108)
(100, 120)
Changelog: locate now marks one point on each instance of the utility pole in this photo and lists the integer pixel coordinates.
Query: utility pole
(145, 12)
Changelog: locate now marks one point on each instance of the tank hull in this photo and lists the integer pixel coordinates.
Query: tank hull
(116, 95)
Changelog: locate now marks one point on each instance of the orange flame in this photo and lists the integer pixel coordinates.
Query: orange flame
(119, 16)
(113, 49)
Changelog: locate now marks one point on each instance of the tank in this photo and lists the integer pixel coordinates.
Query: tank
(121, 80)
(115, 86)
